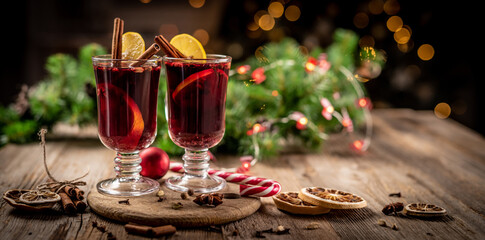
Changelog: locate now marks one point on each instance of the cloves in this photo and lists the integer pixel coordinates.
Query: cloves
(127, 202)
(398, 194)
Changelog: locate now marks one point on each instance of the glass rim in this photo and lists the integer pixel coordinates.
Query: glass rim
(210, 58)
(107, 57)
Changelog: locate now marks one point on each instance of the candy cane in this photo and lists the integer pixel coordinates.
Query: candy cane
(248, 185)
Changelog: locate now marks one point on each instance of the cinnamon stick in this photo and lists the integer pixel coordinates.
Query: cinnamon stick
(163, 230)
(117, 37)
(152, 50)
(138, 229)
(80, 205)
(67, 203)
(79, 194)
(168, 48)
(150, 231)
(74, 193)
(69, 190)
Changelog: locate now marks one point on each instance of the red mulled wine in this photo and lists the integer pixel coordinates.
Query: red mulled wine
(196, 98)
(127, 105)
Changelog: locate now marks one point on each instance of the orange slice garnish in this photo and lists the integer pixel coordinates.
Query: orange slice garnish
(192, 78)
(123, 140)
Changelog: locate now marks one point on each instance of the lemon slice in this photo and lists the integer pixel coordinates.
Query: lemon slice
(132, 45)
(189, 46)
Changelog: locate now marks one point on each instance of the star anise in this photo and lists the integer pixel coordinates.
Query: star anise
(393, 208)
(213, 199)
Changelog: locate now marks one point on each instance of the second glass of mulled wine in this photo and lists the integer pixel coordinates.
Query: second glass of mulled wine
(195, 110)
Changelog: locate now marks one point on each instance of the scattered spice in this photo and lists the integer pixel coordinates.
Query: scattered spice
(278, 230)
(110, 236)
(393, 208)
(127, 202)
(398, 194)
(312, 226)
(394, 227)
(160, 199)
(381, 222)
(282, 230)
(259, 234)
(213, 228)
(101, 228)
(211, 199)
(190, 192)
(177, 205)
(160, 193)
(184, 195)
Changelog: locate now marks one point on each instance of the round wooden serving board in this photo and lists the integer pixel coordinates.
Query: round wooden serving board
(148, 211)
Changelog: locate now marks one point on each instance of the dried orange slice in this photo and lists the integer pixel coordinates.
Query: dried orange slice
(190, 79)
(424, 210)
(331, 198)
(289, 202)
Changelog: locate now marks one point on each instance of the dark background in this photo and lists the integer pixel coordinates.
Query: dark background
(454, 28)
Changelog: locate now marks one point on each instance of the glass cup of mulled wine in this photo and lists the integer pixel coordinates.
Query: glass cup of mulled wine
(127, 119)
(195, 109)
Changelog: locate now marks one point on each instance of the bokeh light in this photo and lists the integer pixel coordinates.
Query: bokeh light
(394, 23)
(235, 50)
(266, 22)
(361, 20)
(391, 7)
(169, 30)
(276, 9)
(425, 52)
(367, 41)
(292, 13)
(197, 3)
(442, 110)
(376, 6)
(201, 35)
(402, 35)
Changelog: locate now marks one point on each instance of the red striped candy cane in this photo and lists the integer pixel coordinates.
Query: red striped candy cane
(248, 185)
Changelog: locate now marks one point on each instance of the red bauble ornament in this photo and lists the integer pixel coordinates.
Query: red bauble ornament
(154, 163)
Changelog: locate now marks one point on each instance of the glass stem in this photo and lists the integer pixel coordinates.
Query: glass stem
(196, 163)
(127, 166)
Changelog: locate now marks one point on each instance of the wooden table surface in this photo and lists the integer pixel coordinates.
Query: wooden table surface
(412, 152)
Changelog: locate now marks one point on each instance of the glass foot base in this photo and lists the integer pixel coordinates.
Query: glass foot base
(121, 187)
(197, 184)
